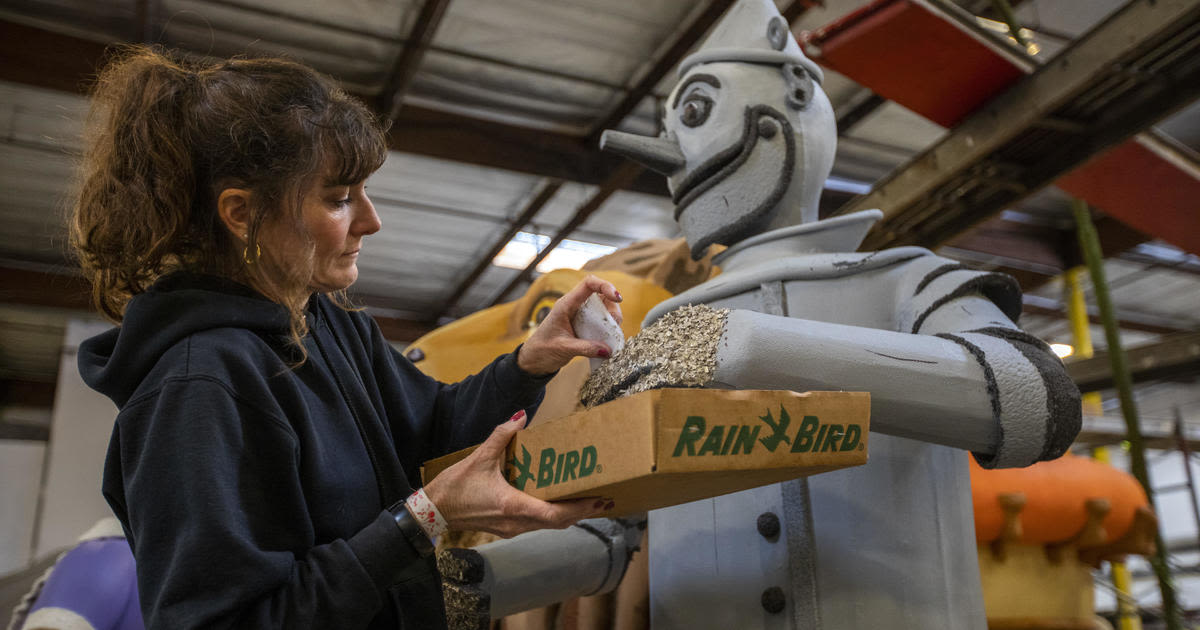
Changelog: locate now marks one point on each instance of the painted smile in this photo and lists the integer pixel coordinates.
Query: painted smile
(759, 121)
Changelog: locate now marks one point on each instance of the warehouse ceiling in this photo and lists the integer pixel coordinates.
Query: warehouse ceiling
(496, 108)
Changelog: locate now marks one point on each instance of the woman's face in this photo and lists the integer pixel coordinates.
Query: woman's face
(335, 218)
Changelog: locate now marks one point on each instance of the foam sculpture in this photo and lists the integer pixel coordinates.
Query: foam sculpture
(92, 586)
(1041, 531)
(748, 140)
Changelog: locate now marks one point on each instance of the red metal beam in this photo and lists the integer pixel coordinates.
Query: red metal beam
(930, 63)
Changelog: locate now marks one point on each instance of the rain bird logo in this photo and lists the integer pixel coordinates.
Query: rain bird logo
(778, 429)
(734, 439)
(554, 467)
(523, 474)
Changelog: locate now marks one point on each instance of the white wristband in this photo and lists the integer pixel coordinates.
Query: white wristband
(426, 514)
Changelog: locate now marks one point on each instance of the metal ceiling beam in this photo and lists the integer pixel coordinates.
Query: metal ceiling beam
(670, 58)
(1139, 65)
(1175, 356)
(798, 8)
(58, 286)
(1185, 263)
(55, 287)
(24, 432)
(618, 180)
(363, 33)
(419, 39)
(459, 138)
(1141, 322)
(396, 328)
(46, 59)
(22, 393)
(855, 113)
(1164, 442)
(545, 192)
(42, 58)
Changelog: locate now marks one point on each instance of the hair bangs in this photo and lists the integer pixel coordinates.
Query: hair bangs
(355, 143)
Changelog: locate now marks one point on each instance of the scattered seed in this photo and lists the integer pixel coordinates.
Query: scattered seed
(678, 350)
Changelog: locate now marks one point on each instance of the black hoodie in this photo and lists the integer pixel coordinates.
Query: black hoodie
(248, 489)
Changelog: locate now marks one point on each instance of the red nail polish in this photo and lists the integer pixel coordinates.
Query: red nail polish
(602, 353)
(610, 505)
(619, 298)
(517, 416)
(599, 504)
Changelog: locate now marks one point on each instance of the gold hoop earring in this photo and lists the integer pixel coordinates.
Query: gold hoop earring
(246, 254)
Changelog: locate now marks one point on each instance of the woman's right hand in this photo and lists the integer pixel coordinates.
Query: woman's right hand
(473, 494)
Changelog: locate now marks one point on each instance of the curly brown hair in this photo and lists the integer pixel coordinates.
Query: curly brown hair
(166, 134)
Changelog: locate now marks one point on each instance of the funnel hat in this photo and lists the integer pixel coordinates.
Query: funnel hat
(748, 134)
(733, 40)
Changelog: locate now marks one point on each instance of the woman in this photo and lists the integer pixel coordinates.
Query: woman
(269, 439)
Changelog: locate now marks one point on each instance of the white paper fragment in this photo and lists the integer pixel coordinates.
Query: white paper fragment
(594, 323)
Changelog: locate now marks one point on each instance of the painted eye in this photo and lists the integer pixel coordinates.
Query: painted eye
(695, 110)
(540, 310)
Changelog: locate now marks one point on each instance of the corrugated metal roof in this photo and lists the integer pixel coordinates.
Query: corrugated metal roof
(558, 66)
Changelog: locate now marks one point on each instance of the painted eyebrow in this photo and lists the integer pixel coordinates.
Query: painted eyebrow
(702, 78)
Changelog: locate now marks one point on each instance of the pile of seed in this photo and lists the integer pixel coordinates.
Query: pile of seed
(678, 350)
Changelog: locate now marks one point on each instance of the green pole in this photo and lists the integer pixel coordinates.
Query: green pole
(1010, 18)
(1089, 243)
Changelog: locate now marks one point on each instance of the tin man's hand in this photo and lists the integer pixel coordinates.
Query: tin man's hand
(678, 350)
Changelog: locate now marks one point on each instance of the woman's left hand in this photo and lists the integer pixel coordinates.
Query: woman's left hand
(554, 343)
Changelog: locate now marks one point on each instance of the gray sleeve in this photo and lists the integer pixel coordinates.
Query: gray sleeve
(1035, 404)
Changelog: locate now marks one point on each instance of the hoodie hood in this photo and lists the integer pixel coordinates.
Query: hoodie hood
(114, 363)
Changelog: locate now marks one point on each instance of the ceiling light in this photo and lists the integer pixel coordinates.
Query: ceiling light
(569, 254)
(1062, 350)
(842, 184)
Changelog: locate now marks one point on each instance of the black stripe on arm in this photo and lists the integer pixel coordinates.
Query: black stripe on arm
(1000, 288)
(936, 273)
(1062, 396)
(986, 461)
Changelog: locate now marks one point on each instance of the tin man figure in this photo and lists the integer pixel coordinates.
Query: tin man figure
(748, 141)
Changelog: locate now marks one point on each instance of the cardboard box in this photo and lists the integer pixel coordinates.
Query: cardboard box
(670, 446)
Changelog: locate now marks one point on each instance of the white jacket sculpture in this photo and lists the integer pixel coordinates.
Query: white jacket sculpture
(748, 142)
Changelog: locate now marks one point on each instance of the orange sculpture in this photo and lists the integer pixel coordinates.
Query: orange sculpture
(1041, 530)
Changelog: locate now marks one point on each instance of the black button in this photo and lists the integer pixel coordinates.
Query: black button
(768, 525)
(773, 600)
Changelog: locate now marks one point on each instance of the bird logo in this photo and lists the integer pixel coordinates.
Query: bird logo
(523, 473)
(778, 429)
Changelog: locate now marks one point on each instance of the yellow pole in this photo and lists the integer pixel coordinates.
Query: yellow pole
(1081, 334)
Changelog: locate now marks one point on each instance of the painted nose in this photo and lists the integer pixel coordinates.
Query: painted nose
(655, 153)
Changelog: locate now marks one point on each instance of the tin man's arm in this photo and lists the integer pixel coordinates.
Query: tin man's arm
(969, 379)
(536, 569)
